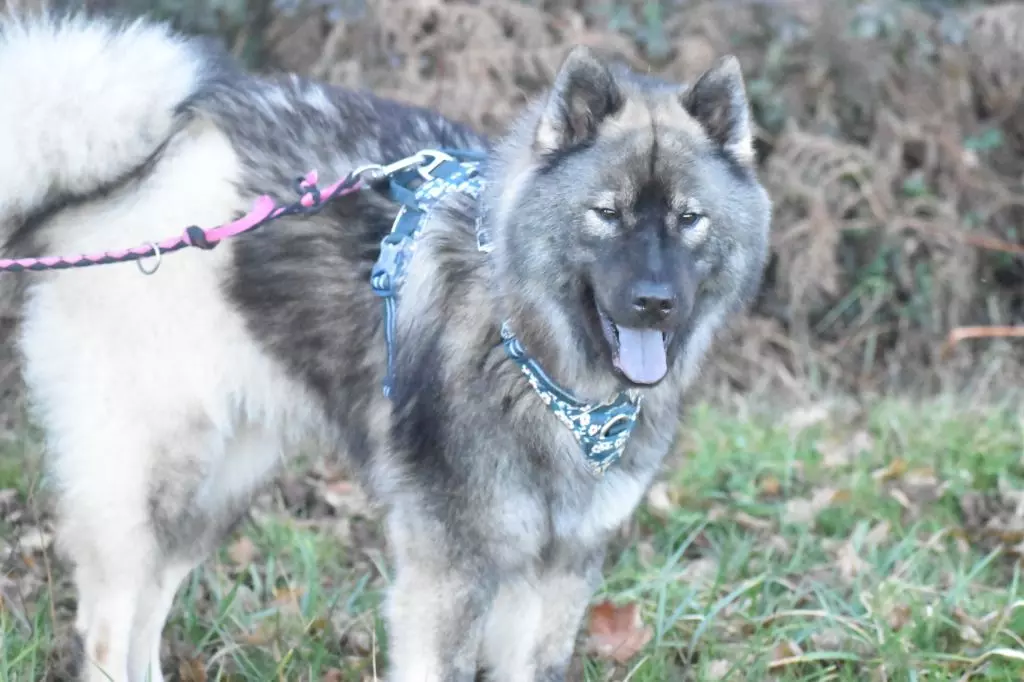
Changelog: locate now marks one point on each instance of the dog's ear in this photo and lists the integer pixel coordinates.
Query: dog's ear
(583, 94)
(718, 100)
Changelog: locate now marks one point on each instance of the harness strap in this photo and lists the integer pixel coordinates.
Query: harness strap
(444, 173)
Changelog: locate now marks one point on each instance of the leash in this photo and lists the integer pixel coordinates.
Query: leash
(416, 183)
(264, 210)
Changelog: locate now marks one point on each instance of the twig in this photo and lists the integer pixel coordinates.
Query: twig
(993, 244)
(962, 333)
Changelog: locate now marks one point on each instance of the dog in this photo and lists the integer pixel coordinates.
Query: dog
(507, 405)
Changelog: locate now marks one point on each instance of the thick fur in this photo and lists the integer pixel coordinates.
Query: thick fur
(168, 400)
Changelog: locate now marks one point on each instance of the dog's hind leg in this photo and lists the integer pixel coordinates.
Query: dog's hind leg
(154, 606)
(123, 475)
(200, 490)
(103, 528)
(136, 533)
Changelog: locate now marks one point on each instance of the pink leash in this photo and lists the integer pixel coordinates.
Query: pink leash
(264, 210)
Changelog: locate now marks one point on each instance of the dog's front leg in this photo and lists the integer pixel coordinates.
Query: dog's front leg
(435, 606)
(534, 620)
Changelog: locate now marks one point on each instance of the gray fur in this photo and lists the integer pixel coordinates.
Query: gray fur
(483, 488)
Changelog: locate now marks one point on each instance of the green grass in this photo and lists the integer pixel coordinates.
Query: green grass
(883, 545)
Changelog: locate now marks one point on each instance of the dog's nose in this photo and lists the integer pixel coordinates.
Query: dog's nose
(653, 300)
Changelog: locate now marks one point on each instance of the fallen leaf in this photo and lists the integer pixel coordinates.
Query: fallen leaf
(358, 639)
(645, 552)
(894, 470)
(970, 628)
(784, 653)
(804, 511)
(849, 563)
(287, 599)
(770, 486)
(191, 670)
(617, 632)
(34, 539)
(264, 634)
(745, 520)
(970, 635)
(804, 418)
(829, 639)
(778, 544)
(921, 477)
(877, 536)
(242, 552)
(332, 675)
(346, 497)
(836, 453)
(898, 616)
(702, 570)
(902, 499)
(8, 496)
(718, 512)
(717, 670)
(659, 500)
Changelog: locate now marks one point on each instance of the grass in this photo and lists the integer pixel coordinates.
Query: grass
(816, 545)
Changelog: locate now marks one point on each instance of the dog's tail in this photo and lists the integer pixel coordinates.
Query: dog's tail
(84, 103)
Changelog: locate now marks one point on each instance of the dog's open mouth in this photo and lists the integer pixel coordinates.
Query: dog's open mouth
(640, 354)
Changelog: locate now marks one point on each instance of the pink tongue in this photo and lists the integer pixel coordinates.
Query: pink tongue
(642, 355)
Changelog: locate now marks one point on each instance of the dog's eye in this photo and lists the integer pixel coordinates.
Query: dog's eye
(607, 213)
(689, 219)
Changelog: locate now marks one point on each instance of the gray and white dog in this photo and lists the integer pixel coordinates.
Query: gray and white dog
(537, 383)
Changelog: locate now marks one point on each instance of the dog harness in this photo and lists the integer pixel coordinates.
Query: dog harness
(601, 429)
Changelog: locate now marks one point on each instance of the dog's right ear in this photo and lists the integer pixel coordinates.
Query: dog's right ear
(584, 93)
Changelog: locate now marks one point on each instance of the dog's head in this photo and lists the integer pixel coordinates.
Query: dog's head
(630, 217)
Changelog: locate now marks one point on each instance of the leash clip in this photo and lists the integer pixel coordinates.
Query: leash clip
(431, 161)
(427, 161)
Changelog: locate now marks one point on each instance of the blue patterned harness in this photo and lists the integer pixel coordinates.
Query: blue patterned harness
(601, 429)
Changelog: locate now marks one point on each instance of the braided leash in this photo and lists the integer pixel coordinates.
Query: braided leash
(264, 210)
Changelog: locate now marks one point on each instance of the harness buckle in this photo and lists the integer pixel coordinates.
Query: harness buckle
(385, 270)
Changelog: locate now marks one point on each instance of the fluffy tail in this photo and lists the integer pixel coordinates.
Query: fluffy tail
(83, 103)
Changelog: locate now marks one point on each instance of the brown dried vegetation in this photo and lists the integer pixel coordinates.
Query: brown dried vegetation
(890, 137)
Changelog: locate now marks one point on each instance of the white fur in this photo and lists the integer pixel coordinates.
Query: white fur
(81, 106)
(132, 375)
(531, 625)
(510, 632)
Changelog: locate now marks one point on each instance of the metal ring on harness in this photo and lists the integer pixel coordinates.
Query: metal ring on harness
(614, 421)
(156, 266)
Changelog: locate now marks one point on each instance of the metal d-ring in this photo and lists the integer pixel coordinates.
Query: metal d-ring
(156, 266)
(612, 422)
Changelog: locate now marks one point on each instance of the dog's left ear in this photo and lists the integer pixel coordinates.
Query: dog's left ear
(718, 100)
(583, 94)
